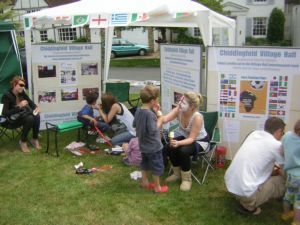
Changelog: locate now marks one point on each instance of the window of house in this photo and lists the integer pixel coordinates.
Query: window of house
(43, 35)
(260, 0)
(196, 32)
(67, 34)
(259, 26)
(32, 10)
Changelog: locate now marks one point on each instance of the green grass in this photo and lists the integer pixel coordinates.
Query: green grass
(123, 62)
(38, 188)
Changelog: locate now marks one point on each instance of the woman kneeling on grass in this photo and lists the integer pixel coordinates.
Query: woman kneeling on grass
(110, 110)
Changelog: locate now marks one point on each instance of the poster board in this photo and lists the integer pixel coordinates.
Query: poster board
(252, 84)
(62, 75)
(180, 72)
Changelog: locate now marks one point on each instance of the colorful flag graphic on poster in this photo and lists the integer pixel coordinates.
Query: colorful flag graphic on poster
(136, 17)
(227, 96)
(79, 20)
(278, 96)
(99, 21)
(119, 19)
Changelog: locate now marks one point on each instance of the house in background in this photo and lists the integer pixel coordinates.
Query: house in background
(292, 21)
(44, 34)
(251, 17)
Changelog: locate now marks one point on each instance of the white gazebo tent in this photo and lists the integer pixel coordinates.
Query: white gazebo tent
(111, 13)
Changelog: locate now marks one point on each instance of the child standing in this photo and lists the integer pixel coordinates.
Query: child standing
(149, 137)
(291, 147)
(132, 152)
(86, 114)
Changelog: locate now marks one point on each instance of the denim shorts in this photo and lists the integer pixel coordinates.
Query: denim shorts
(292, 193)
(153, 162)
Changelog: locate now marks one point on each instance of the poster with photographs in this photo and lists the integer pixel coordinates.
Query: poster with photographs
(46, 97)
(89, 69)
(62, 75)
(259, 84)
(69, 94)
(68, 74)
(180, 72)
(45, 71)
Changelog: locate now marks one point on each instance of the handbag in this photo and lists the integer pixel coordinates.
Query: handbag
(25, 111)
(118, 128)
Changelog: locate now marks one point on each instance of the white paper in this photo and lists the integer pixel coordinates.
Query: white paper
(231, 130)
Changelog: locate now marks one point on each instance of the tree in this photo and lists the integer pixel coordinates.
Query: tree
(7, 12)
(276, 26)
(215, 5)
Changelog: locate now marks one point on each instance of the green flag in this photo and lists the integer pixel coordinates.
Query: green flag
(27, 23)
(79, 20)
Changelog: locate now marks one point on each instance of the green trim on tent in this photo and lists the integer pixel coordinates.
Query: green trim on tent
(6, 26)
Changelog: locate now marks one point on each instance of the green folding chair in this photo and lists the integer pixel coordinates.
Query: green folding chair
(210, 123)
(121, 91)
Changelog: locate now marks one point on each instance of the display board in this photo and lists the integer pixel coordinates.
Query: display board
(252, 84)
(62, 75)
(180, 72)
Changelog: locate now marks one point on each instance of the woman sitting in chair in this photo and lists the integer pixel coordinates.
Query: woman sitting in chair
(16, 101)
(114, 112)
(191, 132)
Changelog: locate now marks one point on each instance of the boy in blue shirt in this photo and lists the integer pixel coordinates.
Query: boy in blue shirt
(148, 133)
(86, 114)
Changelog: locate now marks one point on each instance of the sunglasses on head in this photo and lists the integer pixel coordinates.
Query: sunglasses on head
(21, 85)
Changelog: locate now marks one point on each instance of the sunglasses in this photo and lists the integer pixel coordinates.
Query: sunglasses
(21, 85)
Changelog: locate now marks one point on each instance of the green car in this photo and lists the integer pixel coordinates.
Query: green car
(121, 47)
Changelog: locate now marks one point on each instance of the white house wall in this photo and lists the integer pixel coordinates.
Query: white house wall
(136, 35)
(295, 34)
(248, 10)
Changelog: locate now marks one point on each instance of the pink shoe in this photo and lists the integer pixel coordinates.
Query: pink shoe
(163, 189)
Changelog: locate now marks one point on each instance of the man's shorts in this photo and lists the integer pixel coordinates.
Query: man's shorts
(153, 162)
(292, 193)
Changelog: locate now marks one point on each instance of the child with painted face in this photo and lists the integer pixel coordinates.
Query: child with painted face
(190, 133)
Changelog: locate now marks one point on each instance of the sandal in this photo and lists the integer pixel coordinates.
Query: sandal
(241, 209)
(35, 144)
(150, 186)
(163, 189)
(24, 147)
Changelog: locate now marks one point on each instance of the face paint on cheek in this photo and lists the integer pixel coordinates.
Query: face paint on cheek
(184, 106)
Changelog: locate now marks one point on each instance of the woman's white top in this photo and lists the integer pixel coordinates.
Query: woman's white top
(185, 131)
(127, 118)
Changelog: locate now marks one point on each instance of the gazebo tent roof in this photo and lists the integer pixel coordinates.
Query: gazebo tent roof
(159, 13)
(154, 13)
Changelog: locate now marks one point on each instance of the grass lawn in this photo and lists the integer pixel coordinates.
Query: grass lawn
(37, 188)
(130, 62)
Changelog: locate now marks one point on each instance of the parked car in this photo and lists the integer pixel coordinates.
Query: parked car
(121, 47)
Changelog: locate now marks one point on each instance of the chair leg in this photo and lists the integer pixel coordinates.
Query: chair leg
(56, 148)
(198, 181)
(47, 150)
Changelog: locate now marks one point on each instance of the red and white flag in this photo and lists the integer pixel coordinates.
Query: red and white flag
(99, 21)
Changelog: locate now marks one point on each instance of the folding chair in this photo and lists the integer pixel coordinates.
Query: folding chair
(8, 130)
(121, 91)
(210, 123)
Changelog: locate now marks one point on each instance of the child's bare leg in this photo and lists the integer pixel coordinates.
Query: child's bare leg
(144, 181)
(156, 181)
